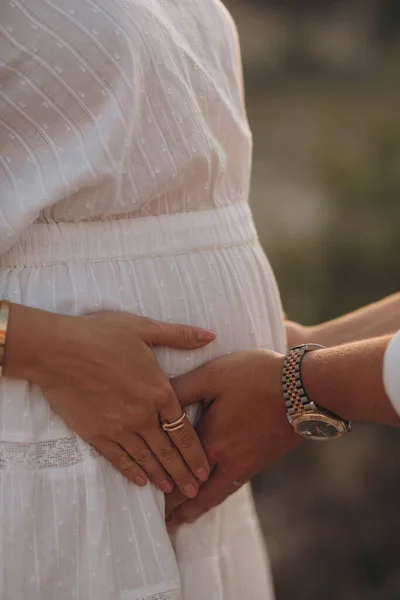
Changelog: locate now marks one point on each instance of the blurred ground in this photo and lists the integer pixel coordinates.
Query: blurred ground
(323, 97)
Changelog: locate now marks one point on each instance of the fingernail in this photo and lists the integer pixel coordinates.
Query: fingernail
(166, 486)
(202, 474)
(141, 481)
(190, 490)
(204, 335)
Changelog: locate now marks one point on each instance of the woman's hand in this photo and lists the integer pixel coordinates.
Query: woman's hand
(100, 374)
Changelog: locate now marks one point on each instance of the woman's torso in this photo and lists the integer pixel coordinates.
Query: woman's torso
(125, 162)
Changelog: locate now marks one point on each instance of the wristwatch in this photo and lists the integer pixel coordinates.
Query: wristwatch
(307, 419)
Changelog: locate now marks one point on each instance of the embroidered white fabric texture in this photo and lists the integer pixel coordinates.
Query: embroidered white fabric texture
(125, 160)
(50, 454)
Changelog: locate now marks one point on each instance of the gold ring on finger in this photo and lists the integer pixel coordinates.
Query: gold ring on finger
(174, 425)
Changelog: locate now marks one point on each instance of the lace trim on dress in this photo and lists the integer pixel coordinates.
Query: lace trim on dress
(50, 454)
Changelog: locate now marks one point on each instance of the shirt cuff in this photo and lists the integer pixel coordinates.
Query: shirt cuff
(391, 371)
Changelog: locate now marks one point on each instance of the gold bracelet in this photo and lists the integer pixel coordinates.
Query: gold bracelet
(5, 307)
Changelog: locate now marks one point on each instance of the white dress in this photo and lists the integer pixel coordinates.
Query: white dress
(125, 160)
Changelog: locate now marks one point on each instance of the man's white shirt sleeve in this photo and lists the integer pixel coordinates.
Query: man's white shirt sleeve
(391, 371)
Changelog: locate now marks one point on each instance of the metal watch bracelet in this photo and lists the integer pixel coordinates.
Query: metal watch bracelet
(296, 399)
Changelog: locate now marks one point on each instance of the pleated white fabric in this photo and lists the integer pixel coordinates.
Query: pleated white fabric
(124, 170)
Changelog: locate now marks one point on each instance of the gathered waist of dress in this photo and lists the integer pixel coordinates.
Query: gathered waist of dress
(92, 241)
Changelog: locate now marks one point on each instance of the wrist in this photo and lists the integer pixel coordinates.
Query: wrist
(272, 376)
(313, 378)
(322, 377)
(347, 380)
(326, 378)
(32, 339)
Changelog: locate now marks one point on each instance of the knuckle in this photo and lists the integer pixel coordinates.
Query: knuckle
(139, 416)
(168, 454)
(162, 396)
(150, 327)
(113, 457)
(184, 476)
(127, 467)
(144, 455)
(115, 429)
(198, 459)
(121, 461)
(184, 333)
(185, 438)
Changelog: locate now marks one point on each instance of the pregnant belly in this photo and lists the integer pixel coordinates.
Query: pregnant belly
(228, 288)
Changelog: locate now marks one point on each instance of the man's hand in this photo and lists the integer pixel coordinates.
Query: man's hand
(243, 430)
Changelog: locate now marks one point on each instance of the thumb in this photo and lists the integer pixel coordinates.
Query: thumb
(181, 337)
(194, 386)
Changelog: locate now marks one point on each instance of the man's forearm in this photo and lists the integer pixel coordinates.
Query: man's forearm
(347, 380)
(380, 318)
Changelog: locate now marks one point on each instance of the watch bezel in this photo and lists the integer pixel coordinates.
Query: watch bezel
(338, 424)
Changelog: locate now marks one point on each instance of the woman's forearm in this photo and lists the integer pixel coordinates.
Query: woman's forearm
(380, 318)
(32, 336)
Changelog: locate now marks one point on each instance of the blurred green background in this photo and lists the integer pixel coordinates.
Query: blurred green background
(323, 99)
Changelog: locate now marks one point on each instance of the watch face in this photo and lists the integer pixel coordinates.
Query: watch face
(318, 427)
